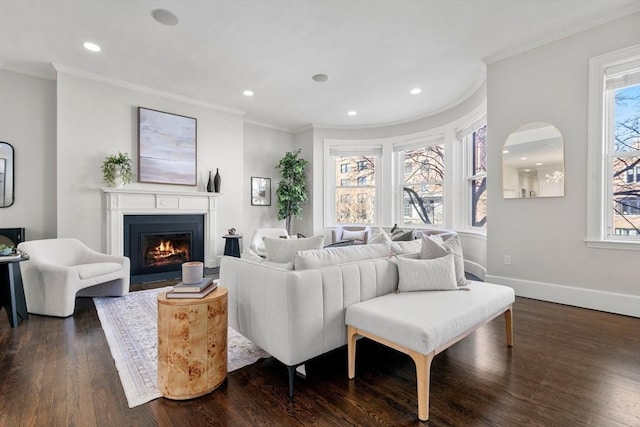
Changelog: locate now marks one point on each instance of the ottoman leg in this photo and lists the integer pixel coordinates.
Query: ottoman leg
(423, 373)
(351, 350)
(508, 321)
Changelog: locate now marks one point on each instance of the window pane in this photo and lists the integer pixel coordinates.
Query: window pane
(423, 186)
(624, 184)
(356, 178)
(479, 202)
(479, 141)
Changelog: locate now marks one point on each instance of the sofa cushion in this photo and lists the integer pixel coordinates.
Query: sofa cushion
(87, 271)
(406, 247)
(437, 274)
(305, 260)
(402, 236)
(283, 250)
(436, 248)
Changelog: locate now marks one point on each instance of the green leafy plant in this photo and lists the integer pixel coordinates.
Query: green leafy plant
(292, 190)
(113, 166)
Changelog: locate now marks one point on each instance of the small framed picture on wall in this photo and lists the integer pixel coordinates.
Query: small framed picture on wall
(260, 191)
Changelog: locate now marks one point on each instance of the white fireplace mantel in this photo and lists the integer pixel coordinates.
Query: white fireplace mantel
(121, 202)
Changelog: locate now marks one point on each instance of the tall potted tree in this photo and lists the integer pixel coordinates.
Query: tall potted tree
(292, 190)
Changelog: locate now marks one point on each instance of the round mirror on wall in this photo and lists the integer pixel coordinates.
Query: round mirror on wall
(533, 162)
(6, 175)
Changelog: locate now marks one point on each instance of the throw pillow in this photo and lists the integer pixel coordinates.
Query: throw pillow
(402, 236)
(426, 274)
(406, 247)
(436, 248)
(283, 250)
(379, 236)
(353, 235)
(332, 256)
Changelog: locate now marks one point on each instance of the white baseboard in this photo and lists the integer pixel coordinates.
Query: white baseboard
(628, 305)
(475, 269)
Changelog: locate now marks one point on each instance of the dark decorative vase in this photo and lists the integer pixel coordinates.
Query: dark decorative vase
(210, 184)
(216, 182)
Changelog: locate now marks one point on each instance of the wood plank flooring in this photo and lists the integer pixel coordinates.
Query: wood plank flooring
(568, 367)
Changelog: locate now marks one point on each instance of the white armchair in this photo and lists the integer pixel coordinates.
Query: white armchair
(257, 242)
(58, 270)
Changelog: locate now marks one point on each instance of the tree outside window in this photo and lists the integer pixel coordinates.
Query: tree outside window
(478, 178)
(423, 185)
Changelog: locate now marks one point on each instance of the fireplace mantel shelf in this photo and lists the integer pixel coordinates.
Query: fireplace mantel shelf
(160, 192)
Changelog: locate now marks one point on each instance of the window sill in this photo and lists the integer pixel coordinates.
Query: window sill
(614, 244)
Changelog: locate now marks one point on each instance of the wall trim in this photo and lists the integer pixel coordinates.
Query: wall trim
(144, 89)
(628, 305)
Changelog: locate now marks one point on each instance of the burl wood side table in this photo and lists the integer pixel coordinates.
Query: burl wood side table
(192, 344)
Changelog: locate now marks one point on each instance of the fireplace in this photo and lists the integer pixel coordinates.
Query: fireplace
(157, 245)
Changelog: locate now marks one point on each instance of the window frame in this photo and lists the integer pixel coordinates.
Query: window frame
(469, 176)
(600, 168)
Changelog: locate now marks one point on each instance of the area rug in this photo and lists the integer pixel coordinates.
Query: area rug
(130, 324)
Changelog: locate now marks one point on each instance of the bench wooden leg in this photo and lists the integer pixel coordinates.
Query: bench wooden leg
(508, 321)
(351, 350)
(423, 375)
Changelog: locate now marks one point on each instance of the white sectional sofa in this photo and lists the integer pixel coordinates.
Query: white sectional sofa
(298, 314)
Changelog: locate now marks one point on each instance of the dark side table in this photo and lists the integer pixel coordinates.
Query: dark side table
(11, 290)
(232, 245)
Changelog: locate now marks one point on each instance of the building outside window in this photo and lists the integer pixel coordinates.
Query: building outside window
(423, 185)
(361, 170)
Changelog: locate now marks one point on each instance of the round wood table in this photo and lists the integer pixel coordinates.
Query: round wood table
(192, 344)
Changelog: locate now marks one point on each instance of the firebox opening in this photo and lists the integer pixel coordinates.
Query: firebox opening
(165, 249)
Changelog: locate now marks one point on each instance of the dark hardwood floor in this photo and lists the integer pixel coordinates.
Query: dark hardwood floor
(568, 367)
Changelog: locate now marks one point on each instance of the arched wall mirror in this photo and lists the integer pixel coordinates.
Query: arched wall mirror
(533, 162)
(6, 175)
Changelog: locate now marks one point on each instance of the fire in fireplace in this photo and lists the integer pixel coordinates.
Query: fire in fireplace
(157, 245)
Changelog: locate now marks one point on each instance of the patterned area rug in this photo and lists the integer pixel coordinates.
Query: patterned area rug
(130, 324)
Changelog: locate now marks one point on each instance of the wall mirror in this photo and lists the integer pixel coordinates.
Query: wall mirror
(533, 162)
(6, 174)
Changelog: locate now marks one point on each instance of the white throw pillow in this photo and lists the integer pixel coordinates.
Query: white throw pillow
(283, 250)
(437, 274)
(353, 235)
(406, 247)
(379, 236)
(434, 247)
(305, 260)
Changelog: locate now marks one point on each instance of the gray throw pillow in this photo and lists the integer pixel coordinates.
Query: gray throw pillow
(283, 250)
(437, 274)
(402, 236)
(436, 248)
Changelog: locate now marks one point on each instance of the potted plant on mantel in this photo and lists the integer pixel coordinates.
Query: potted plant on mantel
(292, 190)
(117, 170)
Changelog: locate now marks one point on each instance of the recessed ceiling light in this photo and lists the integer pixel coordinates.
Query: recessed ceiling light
(320, 78)
(248, 93)
(165, 17)
(505, 151)
(538, 164)
(415, 91)
(352, 113)
(527, 170)
(523, 158)
(91, 46)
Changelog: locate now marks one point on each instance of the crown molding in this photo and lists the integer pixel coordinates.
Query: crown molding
(268, 125)
(144, 89)
(620, 13)
(28, 70)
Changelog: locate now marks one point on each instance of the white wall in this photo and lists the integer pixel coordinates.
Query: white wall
(545, 236)
(263, 149)
(28, 123)
(97, 119)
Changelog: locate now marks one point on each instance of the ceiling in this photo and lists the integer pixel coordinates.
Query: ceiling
(374, 51)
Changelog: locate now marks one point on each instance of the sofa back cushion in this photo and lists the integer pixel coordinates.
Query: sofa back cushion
(406, 247)
(283, 250)
(304, 260)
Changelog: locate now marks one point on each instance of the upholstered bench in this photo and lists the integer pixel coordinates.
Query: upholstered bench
(423, 324)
